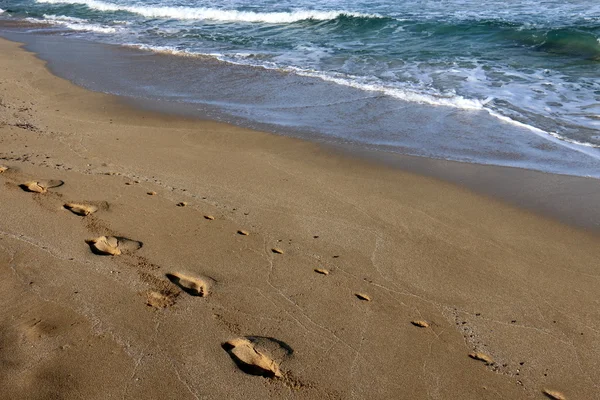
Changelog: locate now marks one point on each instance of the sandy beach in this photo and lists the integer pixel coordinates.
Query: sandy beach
(216, 262)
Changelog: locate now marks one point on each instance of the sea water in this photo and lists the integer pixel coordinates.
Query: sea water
(509, 82)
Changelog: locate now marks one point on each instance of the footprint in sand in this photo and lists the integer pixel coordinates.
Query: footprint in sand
(194, 286)
(258, 355)
(481, 357)
(420, 323)
(3, 169)
(40, 186)
(38, 328)
(554, 395)
(81, 209)
(160, 299)
(113, 245)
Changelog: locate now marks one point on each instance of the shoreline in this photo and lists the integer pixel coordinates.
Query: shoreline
(286, 103)
(486, 276)
(571, 199)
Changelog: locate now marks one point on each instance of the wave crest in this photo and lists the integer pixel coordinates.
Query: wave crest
(214, 14)
(75, 24)
(572, 42)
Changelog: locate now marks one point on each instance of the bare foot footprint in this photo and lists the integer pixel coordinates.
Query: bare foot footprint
(554, 395)
(481, 357)
(40, 186)
(160, 299)
(113, 245)
(81, 209)
(194, 286)
(363, 296)
(258, 355)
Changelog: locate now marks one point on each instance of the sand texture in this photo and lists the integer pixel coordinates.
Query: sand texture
(292, 272)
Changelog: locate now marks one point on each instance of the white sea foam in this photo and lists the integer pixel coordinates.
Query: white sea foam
(204, 13)
(454, 101)
(168, 50)
(76, 24)
(64, 18)
(2, 11)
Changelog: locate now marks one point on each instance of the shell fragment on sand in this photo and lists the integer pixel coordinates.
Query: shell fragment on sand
(182, 204)
(276, 250)
(111, 245)
(363, 296)
(250, 360)
(420, 323)
(3, 168)
(321, 271)
(243, 232)
(554, 395)
(151, 193)
(40, 186)
(209, 217)
(81, 209)
(191, 285)
(481, 357)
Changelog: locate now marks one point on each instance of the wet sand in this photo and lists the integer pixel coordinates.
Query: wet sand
(219, 262)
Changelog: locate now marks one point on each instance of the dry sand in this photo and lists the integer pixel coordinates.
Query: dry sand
(189, 308)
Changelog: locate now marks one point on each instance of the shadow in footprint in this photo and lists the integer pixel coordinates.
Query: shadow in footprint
(258, 355)
(194, 286)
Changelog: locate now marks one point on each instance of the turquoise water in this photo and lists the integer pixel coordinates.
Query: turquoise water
(529, 64)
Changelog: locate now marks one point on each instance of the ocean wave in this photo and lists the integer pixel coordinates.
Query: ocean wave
(571, 42)
(168, 50)
(405, 94)
(76, 24)
(214, 14)
(454, 101)
(450, 100)
(2, 11)
(64, 18)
